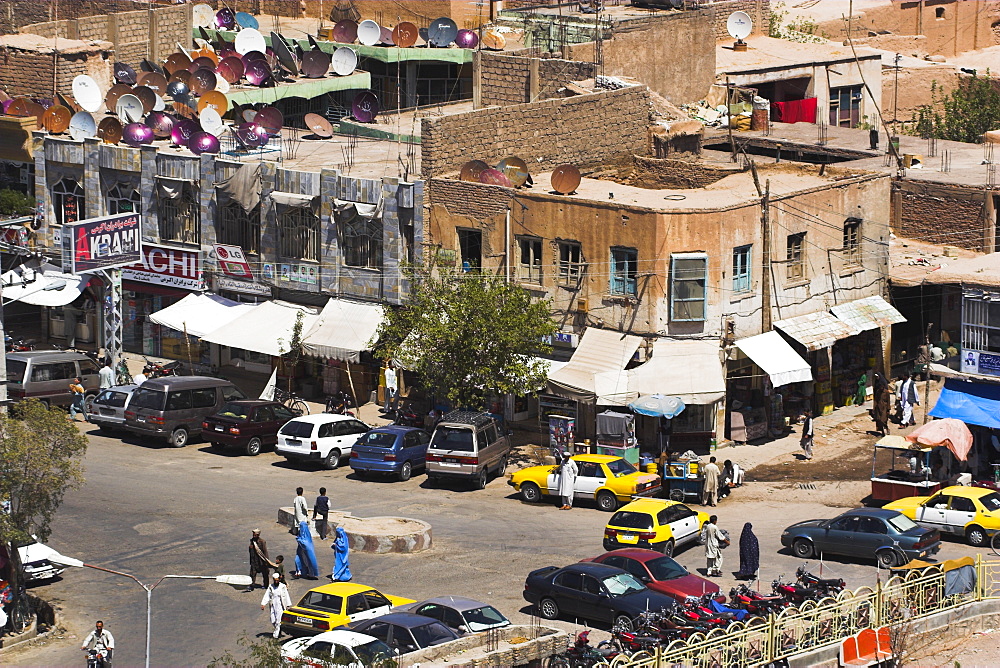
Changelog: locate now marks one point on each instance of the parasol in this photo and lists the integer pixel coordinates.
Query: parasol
(948, 432)
(658, 405)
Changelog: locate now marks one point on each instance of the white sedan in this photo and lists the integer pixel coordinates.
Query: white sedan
(35, 558)
(336, 648)
(324, 438)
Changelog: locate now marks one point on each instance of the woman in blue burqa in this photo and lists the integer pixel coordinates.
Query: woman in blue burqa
(749, 554)
(342, 551)
(305, 556)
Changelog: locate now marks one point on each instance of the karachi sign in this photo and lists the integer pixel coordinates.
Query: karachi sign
(101, 243)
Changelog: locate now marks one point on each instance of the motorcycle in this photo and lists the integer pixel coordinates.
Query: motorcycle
(580, 654)
(830, 586)
(407, 417)
(158, 370)
(755, 602)
(96, 658)
(339, 403)
(12, 345)
(795, 593)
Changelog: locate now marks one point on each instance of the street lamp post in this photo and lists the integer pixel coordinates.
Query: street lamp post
(233, 580)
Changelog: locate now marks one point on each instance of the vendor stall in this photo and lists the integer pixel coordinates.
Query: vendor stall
(683, 480)
(901, 469)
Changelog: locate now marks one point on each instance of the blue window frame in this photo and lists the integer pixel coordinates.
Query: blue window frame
(688, 280)
(623, 271)
(742, 268)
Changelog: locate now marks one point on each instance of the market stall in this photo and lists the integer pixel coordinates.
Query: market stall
(901, 469)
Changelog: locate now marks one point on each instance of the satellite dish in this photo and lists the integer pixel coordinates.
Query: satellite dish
(221, 85)
(87, 93)
(369, 33)
(82, 126)
(154, 81)
(137, 134)
(245, 20)
(203, 16)
(56, 119)
(248, 40)
(386, 37)
(230, 68)
(345, 60)
(364, 109)
(565, 179)
(215, 100)
(211, 121)
(225, 18)
(115, 92)
(258, 72)
(284, 54)
(345, 31)
(405, 35)
(467, 39)
(495, 177)
(183, 130)
(515, 169)
(110, 130)
(319, 125)
(203, 142)
(270, 120)
(203, 81)
(124, 74)
(315, 64)
(739, 25)
(494, 40)
(161, 123)
(146, 96)
(129, 108)
(472, 169)
(159, 104)
(442, 32)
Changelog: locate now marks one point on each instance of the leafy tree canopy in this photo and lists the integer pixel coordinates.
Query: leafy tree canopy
(964, 114)
(469, 335)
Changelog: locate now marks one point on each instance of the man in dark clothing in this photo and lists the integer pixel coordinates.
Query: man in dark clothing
(259, 560)
(321, 509)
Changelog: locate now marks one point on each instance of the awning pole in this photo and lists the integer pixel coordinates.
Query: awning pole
(187, 344)
(350, 380)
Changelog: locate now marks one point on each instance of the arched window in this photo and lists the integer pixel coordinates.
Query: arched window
(122, 199)
(180, 217)
(298, 234)
(362, 242)
(236, 227)
(67, 201)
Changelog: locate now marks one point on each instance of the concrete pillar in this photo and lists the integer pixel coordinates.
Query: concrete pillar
(147, 194)
(330, 261)
(534, 85)
(206, 199)
(92, 178)
(392, 238)
(477, 80)
(411, 84)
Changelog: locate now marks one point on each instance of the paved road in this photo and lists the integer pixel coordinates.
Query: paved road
(153, 510)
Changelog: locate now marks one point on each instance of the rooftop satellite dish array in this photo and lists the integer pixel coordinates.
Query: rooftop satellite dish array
(441, 33)
(512, 172)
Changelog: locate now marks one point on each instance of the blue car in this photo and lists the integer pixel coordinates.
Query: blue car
(391, 450)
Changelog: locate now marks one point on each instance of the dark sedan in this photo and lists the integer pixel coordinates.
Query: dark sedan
(248, 425)
(405, 632)
(660, 573)
(595, 592)
(460, 614)
(888, 536)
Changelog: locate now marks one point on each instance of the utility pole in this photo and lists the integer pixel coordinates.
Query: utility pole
(765, 277)
(3, 359)
(927, 371)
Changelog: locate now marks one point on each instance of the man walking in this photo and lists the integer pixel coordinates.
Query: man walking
(713, 537)
(806, 442)
(106, 376)
(391, 387)
(277, 599)
(567, 481)
(78, 404)
(300, 508)
(260, 562)
(710, 493)
(321, 510)
(908, 399)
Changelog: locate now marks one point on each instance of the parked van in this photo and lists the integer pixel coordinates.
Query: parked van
(46, 375)
(468, 445)
(174, 407)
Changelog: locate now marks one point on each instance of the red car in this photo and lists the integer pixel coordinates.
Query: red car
(660, 573)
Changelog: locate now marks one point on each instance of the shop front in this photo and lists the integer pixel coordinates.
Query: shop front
(67, 304)
(337, 345)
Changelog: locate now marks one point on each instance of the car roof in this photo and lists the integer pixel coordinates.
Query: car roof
(323, 418)
(600, 459)
(459, 603)
(122, 388)
(648, 505)
(183, 382)
(597, 570)
(471, 418)
(395, 429)
(884, 513)
(967, 492)
(47, 355)
(637, 553)
(343, 637)
(342, 588)
(405, 619)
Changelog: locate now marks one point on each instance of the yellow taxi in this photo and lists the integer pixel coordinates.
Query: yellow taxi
(655, 524)
(336, 604)
(607, 479)
(972, 512)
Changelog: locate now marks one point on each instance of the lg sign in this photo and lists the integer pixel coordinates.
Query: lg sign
(167, 266)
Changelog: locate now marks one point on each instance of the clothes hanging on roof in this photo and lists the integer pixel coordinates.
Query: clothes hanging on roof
(794, 111)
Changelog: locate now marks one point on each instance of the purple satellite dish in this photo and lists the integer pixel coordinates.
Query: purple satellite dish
(262, 134)
(161, 123)
(6, 105)
(258, 72)
(203, 142)
(270, 119)
(467, 39)
(137, 134)
(248, 135)
(365, 107)
(225, 18)
(183, 131)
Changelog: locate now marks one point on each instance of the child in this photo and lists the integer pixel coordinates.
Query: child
(279, 566)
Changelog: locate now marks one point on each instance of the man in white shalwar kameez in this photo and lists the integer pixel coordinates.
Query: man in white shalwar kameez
(276, 599)
(567, 481)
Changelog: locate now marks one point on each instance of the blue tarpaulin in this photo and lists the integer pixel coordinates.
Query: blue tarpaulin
(972, 403)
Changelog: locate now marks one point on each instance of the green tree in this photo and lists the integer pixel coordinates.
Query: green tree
(14, 203)
(290, 358)
(469, 335)
(964, 114)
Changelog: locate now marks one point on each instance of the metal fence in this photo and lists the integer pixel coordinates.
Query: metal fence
(815, 624)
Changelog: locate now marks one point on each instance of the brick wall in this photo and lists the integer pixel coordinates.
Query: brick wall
(941, 214)
(30, 72)
(582, 130)
(506, 79)
(475, 200)
(670, 173)
(15, 14)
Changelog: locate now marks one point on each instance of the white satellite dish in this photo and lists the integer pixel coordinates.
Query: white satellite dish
(87, 93)
(345, 60)
(203, 15)
(159, 104)
(248, 40)
(129, 108)
(82, 126)
(739, 25)
(369, 33)
(211, 121)
(222, 86)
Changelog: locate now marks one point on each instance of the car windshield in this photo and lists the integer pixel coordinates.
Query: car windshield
(111, 398)
(374, 653)
(901, 523)
(622, 583)
(483, 618)
(233, 410)
(434, 633)
(631, 520)
(147, 398)
(665, 568)
(15, 370)
(991, 501)
(452, 438)
(377, 439)
(297, 429)
(620, 467)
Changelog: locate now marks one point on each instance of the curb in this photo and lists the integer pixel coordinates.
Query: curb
(370, 541)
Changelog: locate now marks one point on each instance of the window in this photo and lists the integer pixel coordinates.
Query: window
(299, 235)
(591, 585)
(570, 580)
(623, 271)
(264, 414)
(845, 106)
(939, 13)
(180, 219)
(325, 602)
(231, 393)
(795, 258)
(203, 398)
(122, 199)
(530, 266)
(962, 504)
(55, 371)
(356, 604)
(239, 228)
(688, 295)
(852, 242)
(68, 201)
(742, 269)
(179, 400)
(376, 600)
(470, 246)
(981, 325)
(849, 523)
(570, 262)
(361, 239)
(589, 470)
(871, 525)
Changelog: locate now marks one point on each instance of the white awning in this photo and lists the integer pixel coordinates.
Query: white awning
(200, 314)
(868, 313)
(46, 286)
(600, 352)
(266, 328)
(690, 370)
(778, 359)
(343, 330)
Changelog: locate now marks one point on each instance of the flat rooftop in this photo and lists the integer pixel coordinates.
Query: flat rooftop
(768, 53)
(610, 12)
(913, 263)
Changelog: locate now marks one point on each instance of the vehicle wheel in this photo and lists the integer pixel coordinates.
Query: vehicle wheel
(254, 446)
(332, 460)
(531, 493)
(405, 471)
(887, 559)
(560, 662)
(299, 407)
(622, 623)
(668, 548)
(976, 536)
(502, 467)
(179, 437)
(548, 608)
(481, 479)
(607, 502)
(803, 549)
(88, 403)
(676, 495)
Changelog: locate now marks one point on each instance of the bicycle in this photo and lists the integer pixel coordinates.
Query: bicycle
(291, 401)
(20, 615)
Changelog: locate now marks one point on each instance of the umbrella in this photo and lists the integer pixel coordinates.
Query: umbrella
(658, 405)
(948, 432)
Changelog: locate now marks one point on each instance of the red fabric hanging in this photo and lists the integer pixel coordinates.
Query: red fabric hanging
(795, 111)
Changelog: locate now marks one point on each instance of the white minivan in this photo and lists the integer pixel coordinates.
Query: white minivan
(324, 438)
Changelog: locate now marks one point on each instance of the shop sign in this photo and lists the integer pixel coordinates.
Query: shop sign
(236, 285)
(982, 363)
(14, 236)
(170, 267)
(561, 340)
(232, 261)
(107, 242)
(292, 273)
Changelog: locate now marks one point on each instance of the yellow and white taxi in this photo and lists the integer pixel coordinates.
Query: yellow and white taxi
(607, 479)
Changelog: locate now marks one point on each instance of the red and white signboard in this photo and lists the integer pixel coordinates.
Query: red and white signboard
(232, 261)
(170, 267)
